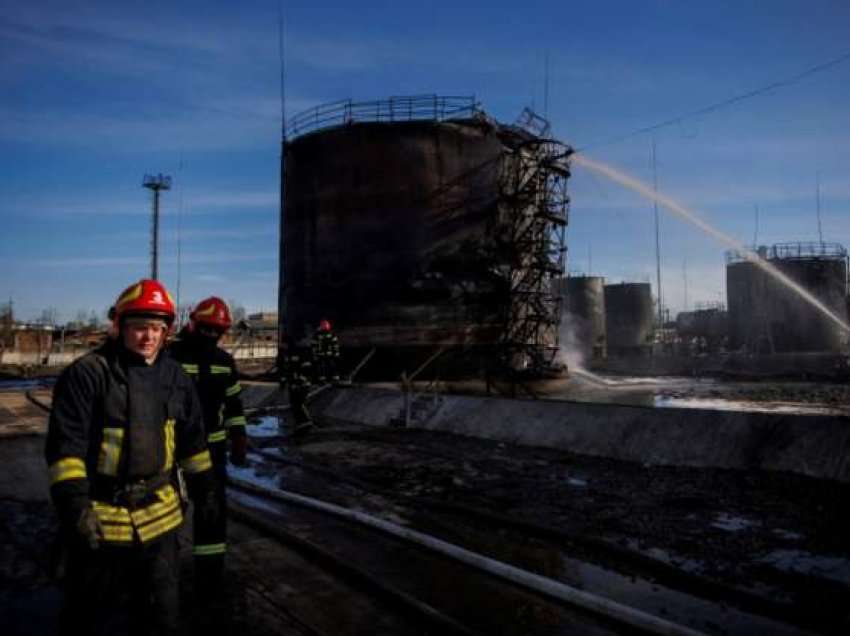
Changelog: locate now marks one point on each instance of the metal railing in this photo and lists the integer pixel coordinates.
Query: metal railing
(406, 108)
(789, 251)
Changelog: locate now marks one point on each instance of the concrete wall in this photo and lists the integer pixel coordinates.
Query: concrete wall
(818, 446)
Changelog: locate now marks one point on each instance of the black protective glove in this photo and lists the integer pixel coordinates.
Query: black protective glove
(88, 528)
(239, 450)
(209, 508)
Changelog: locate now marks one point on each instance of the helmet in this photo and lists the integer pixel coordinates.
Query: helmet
(212, 312)
(324, 325)
(147, 297)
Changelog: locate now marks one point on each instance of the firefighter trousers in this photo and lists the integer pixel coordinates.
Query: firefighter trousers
(210, 535)
(122, 590)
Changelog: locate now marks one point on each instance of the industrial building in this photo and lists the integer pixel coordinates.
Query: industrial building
(419, 224)
(766, 316)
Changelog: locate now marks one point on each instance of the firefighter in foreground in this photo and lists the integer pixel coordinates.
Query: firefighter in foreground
(325, 347)
(124, 418)
(214, 373)
(295, 370)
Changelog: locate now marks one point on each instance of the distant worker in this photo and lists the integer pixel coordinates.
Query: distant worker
(217, 382)
(325, 347)
(296, 370)
(124, 418)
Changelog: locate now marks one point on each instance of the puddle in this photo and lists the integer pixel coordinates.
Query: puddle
(800, 562)
(265, 478)
(26, 385)
(266, 426)
(730, 523)
(577, 482)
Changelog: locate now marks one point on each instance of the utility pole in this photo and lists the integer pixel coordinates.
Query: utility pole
(657, 239)
(685, 276)
(155, 184)
(817, 188)
(756, 231)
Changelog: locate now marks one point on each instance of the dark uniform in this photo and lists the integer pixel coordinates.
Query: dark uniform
(325, 347)
(296, 372)
(214, 373)
(117, 432)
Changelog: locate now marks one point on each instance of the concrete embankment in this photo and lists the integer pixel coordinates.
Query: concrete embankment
(813, 445)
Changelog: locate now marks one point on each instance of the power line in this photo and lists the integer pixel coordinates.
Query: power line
(726, 102)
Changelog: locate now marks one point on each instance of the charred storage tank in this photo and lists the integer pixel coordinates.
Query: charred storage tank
(628, 318)
(766, 316)
(394, 218)
(583, 315)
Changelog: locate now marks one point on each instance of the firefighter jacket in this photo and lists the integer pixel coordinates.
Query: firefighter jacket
(325, 345)
(297, 370)
(117, 432)
(214, 373)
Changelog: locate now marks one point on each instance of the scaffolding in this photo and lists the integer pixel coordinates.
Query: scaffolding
(531, 243)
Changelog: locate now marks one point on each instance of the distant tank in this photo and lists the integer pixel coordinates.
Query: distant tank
(583, 315)
(706, 327)
(766, 317)
(628, 318)
(395, 218)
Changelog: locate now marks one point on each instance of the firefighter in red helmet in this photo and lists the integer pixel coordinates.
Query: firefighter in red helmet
(124, 418)
(214, 373)
(325, 348)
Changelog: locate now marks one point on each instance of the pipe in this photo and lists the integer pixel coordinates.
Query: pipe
(540, 584)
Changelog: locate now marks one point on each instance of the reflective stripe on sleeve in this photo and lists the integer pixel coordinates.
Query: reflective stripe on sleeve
(238, 420)
(197, 463)
(110, 451)
(219, 370)
(217, 436)
(170, 444)
(65, 469)
(190, 368)
(233, 390)
(209, 549)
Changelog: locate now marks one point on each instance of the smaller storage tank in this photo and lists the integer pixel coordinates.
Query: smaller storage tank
(628, 318)
(583, 315)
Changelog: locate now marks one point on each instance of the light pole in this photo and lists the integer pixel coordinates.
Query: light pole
(155, 184)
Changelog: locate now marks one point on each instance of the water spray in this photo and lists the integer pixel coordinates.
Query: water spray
(678, 209)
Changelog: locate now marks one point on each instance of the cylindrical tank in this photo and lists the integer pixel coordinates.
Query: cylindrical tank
(583, 315)
(766, 316)
(397, 228)
(628, 318)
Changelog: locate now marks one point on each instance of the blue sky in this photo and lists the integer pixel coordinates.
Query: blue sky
(93, 95)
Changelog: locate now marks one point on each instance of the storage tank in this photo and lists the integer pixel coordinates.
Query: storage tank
(628, 318)
(394, 218)
(766, 316)
(583, 315)
(706, 327)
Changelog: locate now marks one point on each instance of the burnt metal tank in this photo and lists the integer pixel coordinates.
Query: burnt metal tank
(765, 316)
(583, 315)
(628, 318)
(393, 224)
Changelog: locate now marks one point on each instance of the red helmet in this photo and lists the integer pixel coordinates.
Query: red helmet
(147, 297)
(324, 325)
(212, 312)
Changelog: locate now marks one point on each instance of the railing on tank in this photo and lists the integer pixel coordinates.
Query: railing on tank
(408, 108)
(790, 251)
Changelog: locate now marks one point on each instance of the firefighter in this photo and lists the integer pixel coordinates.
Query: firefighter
(296, 370)
(124, 419)
(216, 379)
(325, 348)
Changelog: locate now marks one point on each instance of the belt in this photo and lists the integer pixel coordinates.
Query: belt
(134, 493)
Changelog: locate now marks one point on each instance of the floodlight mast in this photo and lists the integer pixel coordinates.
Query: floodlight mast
(155, 183)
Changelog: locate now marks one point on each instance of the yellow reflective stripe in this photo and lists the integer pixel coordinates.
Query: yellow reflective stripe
(237, 420)
(65, 469)
(197, 463)
(169, 444)
(218, 436)
(107, 513)
(153, 530)
(211, 548)
(233, 390)
(219, 370)
(190, 368)
(167, 501)
(117, 534)
(110, 451)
